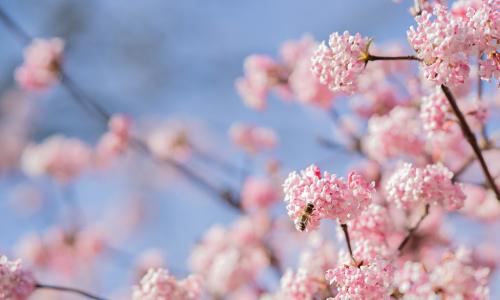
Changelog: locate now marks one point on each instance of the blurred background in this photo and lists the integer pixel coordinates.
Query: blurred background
(169, 60)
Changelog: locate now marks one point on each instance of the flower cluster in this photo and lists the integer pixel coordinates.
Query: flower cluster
(332, 197)
(446, 40)
(114, 141)
(252, 139)
(290, 77)
(159, 284)
(16, 283)
(409, 187)
(387, 138)
(230, 258)
(41, 67)
(258, 193)
(58, 156)
(339, 64)
(368, 282)
(434, 112)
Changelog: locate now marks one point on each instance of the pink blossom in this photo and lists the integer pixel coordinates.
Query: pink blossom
(115, 141)
(303, 83)
(159, 284)
(339, 64)
(58, 156)
(169, 142)
(441, 41)
(434, 112)
(368, 282)
(490, 67)
(386, 138)
(413, 281)
(410, 186)
(319, 256)
(16, 283)
(456, 278)
(41, 67)
(258, 193)
(300, 285)
(332, 197)
(262, 74)
(229, 258)
(374, 224)
(252, 138)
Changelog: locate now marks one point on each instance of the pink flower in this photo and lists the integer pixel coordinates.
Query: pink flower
(158, 284)
(262, 74)
(229, 258)
(16, 283)
(442, 42)
(332, 197)
(115, 141)
(252, 138)
(409, 187)
(374, 224)
(258, 193)
(339, 64)
(490, 67)
(434, 112)
(386, 138)
(303, 83)
(319, 256)
(41, 67)
(170, 142)
(368, 282)
(58, 156)
(300, 285)
(457, 278)
(413, 281)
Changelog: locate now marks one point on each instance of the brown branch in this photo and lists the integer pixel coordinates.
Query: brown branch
(412, 230)
(471, 138)
(404, 57)
(348, 240)
(68, 289)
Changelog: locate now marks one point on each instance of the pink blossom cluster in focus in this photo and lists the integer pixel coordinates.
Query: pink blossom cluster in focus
(16, 283)
(159, 284)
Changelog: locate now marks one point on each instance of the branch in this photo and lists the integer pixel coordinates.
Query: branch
(348, 240)
(471, 138)
(405, 57)
(412, 230)
(68, 289)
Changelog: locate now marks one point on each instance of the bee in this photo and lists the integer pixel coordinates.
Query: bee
(304, 219)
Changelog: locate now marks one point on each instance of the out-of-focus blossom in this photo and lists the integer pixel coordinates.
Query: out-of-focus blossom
(339, 64)
(170, 142)
(262, 74)
(413, 282)
(410, 187)
(332, 197)
(58, 156)
(252, 139)
(115, 141)
(387, 138)
(319, 255)
(42, 63)
(230, 258)
(16, 283)
(370, 281)
(258, 193)
(159, 284)
(480, 203)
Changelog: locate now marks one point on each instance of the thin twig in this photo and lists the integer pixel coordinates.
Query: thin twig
(68, 289)
(471, 138)
(13, 27)
(404, 57)
(412, 230)
(348, 240)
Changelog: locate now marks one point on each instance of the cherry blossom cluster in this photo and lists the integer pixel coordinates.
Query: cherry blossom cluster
(16, 283)
(339, 64)
(115, 141)
(332, 197)
(252, 139)
(290, 77)
(230, 258)
(446, 40)
(41, 67)
(159, 284)
(410, 186)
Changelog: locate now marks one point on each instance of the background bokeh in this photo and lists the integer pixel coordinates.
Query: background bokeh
(172, 59)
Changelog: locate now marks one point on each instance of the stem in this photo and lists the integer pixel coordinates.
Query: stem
(68, 289)
(405, 57)
(471, 138)
(412, 230)
(348, 240)
(13, 27)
